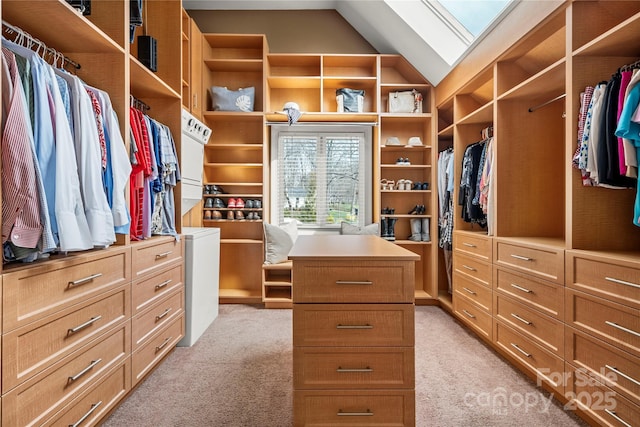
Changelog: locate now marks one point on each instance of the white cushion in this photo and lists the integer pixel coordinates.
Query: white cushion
(346, 228)
(278, 241)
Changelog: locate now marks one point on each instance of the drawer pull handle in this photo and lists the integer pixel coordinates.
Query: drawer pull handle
(164, 313)
(368, 413)
(520, 350)
(163, 284)
(469, 268)
(614, 415)
(354, 282)
(84, 325)
(471, 245)
(469, 314)
(622, 282)
(84, 371)
(523, 258)
(525, 321)
(622, 374)
(469, 291)
(164, 343)
(84, 280)
(367, 326)
(94, 406)
(622, 328)
(521, 288)
(163, 255)
(367, 369)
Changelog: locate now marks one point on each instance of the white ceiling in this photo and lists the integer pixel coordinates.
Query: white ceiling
(380, 23)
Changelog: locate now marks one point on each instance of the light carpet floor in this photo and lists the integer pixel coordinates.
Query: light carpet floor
(239, 374)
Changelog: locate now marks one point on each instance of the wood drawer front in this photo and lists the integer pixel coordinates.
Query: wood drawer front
(466, 288)
(546, 366)
(473, 244)
(353, 368)
(472, 268)
(545, 296)
(147, 323)
(349, 281)
(608, 278)
(353, 325)
(30, 349)
(354, 407)
(544, 330)
(98, 402)
(604, 405)
(37, 399)
(147, 357)
(472, 315)
(159, 252)
(614, 323)
(547, 263)
(617, 369)
(34, 293)
(149, 291)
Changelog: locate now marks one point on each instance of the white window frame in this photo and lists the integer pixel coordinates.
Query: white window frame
(365, 131)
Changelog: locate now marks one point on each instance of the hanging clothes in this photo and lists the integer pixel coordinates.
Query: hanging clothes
(471, 164)
(445, 210)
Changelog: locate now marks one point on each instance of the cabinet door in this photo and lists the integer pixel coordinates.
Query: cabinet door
(198, 97)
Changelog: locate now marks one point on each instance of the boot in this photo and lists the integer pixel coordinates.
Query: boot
(391, 223)
(425, 235)
(384, 228)
(416, 226)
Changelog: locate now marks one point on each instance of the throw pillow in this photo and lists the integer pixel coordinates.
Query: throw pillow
(346, 228)
(278, 241)
(224, 99)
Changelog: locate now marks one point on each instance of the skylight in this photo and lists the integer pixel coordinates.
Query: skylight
(475, 15)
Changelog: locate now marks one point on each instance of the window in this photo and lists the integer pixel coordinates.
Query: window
(321, 175)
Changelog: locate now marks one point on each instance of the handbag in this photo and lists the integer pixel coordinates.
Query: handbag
(409, 101)
(350, 100)
(224, 99)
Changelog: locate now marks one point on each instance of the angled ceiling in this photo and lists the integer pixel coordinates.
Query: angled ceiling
(390, 26)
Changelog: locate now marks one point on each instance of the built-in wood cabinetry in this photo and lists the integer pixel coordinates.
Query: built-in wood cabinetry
(353, 331)
(564, 256)
(74, 325)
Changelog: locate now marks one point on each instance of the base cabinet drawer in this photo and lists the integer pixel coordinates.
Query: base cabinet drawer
(158, 346)
(147, 292)
(36, 400)
(353, 325)
(354, 408)
(599, 402)
(29, 350)
(545, 262)
(544, 330)
(547, 367)
(97, 402)
(156, 317)
(615, 368)
(155, 254)
(477, 245)
(466, 288)
(475, 317)
(614, 323)
(349, 282)
(474, 269)
(353, 368)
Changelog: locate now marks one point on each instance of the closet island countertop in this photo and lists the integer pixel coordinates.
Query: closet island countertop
(335, 247)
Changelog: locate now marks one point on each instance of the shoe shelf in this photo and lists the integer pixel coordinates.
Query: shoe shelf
(277, 285)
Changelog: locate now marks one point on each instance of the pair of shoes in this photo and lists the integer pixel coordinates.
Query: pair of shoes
(253, 216)
(417, 210)
(387, 224)
(208, 203)
(218, 203)
(212, 189)
(404, 184)
(403, 161)
(387, 184)
(253, 204)
(420, 230)
(235, 203)
(216, 215)
(207, 215)
(420, 186)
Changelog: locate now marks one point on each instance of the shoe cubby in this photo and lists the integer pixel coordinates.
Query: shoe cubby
(277, 285)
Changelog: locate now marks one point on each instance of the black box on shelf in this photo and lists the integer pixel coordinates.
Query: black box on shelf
(148, 52)
(83, 6)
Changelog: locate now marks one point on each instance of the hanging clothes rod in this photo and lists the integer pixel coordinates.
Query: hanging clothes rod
(22, 36)
(532, 109)
(140, 105)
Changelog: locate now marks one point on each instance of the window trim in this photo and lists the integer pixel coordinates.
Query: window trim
(337, 128)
